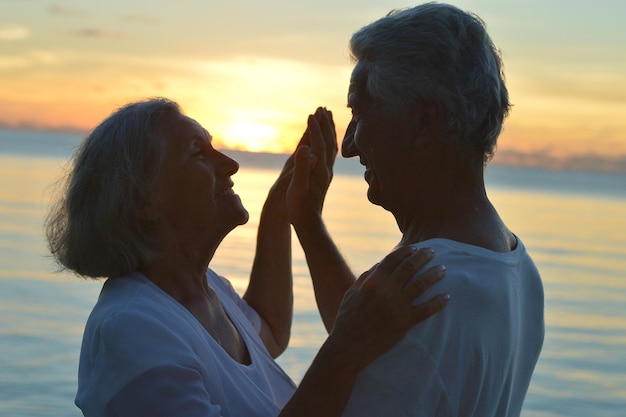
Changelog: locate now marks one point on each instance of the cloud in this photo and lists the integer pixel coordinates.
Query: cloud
(29, 59)
(13, 32)
(12, 62)
(65, 10)
(602, 86)
(547, 160)
(141, 19)
(97, 33)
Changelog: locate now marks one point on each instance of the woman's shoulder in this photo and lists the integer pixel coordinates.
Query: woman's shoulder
(133, 308)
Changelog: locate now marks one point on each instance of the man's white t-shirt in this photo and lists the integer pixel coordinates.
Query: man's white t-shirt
(476, 356)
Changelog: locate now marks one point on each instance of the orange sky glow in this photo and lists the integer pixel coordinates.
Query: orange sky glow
(251, 76)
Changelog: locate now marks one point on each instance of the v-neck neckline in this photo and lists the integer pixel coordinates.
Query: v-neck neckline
(200, 328)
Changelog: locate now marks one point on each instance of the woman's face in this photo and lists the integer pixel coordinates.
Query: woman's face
(194, 196)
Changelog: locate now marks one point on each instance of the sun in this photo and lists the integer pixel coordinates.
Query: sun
(249, 136)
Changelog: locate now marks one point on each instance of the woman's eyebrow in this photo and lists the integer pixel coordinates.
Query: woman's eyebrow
(208, 135)
(202, 140)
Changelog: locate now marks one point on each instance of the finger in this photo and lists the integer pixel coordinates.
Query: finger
(407, 268)
(327, 126)
(289, 163)
(330, 116)
(284, 178)
(330, 136)
(430, 307)
(303, 161)
(318, 147)
(409, 265)
(366, 274)
(426, 280)
(391, 261)
(305, 140)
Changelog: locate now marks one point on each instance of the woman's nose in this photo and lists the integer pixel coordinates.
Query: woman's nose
(228, 165)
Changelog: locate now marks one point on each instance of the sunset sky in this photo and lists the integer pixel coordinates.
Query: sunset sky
(250, 71)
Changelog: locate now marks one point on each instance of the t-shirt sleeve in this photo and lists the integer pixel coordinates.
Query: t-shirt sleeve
(144, 368)
(163, 392)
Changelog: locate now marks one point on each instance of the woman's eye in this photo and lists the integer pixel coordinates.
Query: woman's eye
(198, 153)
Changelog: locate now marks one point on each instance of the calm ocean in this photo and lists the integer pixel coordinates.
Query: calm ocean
(573, 224)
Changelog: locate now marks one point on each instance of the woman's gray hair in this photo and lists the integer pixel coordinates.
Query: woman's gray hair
(94, 228)
(437, 51)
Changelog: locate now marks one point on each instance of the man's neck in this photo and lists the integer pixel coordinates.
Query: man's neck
(455, 206)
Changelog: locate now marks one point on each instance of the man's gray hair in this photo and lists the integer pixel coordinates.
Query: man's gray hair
(437, 51)
(94, 228)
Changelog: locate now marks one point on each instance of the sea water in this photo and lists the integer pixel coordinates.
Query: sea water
(573, 224)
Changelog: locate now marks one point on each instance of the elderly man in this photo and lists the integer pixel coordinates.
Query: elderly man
(428, 102)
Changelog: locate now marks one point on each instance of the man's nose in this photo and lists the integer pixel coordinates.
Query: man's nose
(348, 148)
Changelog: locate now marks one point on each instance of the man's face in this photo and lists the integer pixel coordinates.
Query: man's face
(382, 143)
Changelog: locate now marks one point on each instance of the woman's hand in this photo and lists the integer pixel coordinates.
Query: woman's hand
(313, 159)
(379, 308)
(298, 193)
(313, 169)
(375, 314)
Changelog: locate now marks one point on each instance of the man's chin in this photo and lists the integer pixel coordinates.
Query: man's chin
(373, 197)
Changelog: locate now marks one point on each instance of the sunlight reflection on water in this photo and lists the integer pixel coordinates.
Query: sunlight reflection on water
(577, 241)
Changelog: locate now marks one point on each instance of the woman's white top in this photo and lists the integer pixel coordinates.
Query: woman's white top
(144, 354)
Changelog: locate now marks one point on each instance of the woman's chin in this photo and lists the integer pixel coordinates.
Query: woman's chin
(245, 216)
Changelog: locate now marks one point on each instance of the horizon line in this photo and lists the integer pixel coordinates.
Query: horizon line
(504, 157)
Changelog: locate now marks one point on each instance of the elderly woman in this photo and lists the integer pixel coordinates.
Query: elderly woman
(147, 203)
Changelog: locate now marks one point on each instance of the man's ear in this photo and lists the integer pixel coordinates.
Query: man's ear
(433, 113)
(430, 117)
